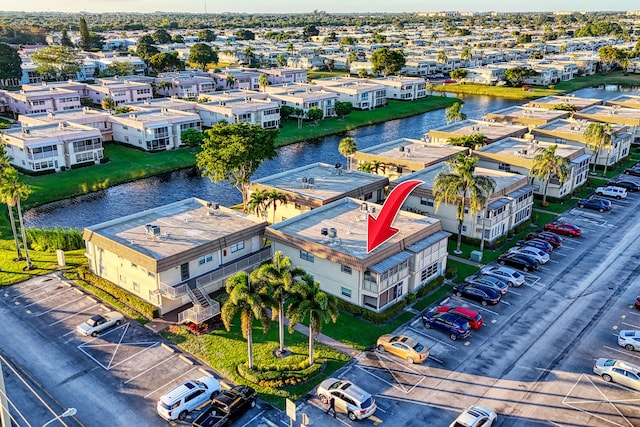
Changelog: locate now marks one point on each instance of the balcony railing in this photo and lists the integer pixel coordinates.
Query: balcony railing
(376, 287)
(234, 267)
(173, 292)
(199, 315)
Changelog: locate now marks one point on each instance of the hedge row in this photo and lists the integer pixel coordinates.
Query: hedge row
(50, 239)
(147, 310)
(107, 298)
(280, 376)
(434, 284)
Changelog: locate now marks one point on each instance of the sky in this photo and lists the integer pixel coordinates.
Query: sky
(297, 6)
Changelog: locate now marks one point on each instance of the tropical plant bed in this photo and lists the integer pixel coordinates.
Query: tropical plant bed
(226, 351)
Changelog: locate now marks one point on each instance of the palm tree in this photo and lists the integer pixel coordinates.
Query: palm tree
(230, 81)
(442, 57)
(248, 54)
(12, 191)
(250, 297)
(465, 55)
(4, 167)
(598, 136)
(307, 299)
(263, 81)
(461, 187)
(257, 201)
(365, 167)
(290, 48)
(281, 276)
(108, 104)
(273, 198)
(547, 163)
(347, 147)
(378, 166)
(454, 113)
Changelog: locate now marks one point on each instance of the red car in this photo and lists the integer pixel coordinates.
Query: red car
(474, 319)
(637, 304)
(564, 229)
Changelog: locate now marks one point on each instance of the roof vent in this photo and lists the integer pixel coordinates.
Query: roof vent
(324, 231)
(333, 233)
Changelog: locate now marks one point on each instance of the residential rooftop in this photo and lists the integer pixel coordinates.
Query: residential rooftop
(491, 131)
(527, 148)
(527, 114)
(552, 101)
(630, 101)
(611, 114)
(572, 127)
(414, 151)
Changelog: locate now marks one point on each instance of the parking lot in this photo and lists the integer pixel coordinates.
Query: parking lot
(532, 359)
(112, 379)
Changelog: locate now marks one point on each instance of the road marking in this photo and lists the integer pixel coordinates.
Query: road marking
(173, 380)
(480, 307)
(251, 420)
(630, 324)
(430, 337)
(504, 302)
(61, 305)
(75, 314)
(148, 369)
(513, 292)
(46, 298)
(619, 350)
(323, 410)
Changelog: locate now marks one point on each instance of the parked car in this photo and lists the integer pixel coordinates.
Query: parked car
(563, 229)
(538, 254)
(512, 277)
(475, 416)
(618, 371)
(227, 406)
(612, 191)
(627, 184)
(523, 262)
(349, 398)
(99, 323)
(629, 340)
(595, 203)
(186, 397)
(634, 171)
(404, 347)
(536, 243)
(454, 325)
(491, 281)
(473, 317)
(478, 292)
(547, 236)
(637, 303)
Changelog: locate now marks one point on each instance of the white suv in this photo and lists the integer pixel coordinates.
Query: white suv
(183, 399)
(612, 191)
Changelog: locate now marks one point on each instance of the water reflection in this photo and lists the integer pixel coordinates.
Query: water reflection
(151, 192)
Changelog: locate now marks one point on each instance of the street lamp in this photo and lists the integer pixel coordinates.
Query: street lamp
(68, 413)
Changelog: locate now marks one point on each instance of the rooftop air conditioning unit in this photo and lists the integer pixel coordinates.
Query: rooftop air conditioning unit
(372, 209)
(364, 207)
(333, 233)
(311, 181)
(401, 149)
(324, 231)
(305, 179)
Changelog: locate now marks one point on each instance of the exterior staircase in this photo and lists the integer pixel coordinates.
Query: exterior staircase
(204, 308)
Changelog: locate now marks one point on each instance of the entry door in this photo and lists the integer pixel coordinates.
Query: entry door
(184, 271)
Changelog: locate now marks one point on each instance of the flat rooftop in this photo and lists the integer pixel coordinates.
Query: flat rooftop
(491, 131)
(522, 112)
(572, 127)
(351, 226)
(328, 182)
(84, 114)
(157, 116)
(577, 102)
(184, 225)
(414, 150)
(526, 149)
(52, 132)
(171, 103)
(631, 101)
(613, 111)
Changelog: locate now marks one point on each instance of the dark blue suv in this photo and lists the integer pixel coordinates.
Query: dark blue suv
(595, 203)
(454, 325)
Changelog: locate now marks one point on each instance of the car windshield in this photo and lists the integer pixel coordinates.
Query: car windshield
(367, 403)
(94, 320)
(418, 347)
(609, 362)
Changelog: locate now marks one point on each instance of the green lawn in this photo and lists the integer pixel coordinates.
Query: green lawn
(224, 351)
(289, 133)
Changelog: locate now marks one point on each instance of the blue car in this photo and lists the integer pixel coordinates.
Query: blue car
(478, 292)
(536, 243)
(595, 203)
(454, 325)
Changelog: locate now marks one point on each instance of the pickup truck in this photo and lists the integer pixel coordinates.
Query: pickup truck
(226, 406)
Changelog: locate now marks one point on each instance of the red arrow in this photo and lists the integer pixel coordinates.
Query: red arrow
(379, 230)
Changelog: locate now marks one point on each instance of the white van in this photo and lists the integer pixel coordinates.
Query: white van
(178, 402)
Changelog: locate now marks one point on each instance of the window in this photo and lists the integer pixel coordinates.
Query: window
(151, 274)
(205, 259)
(428, 272)
(184, 271)
(136, 287)
(237, 246)
(345, 269)
(306, 256)
(345, 292)
(426, 202)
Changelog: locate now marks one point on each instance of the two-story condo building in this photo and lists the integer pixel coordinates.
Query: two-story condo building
(516, 155)
(41, 100)
(614, 114)
(330, 243)
(175, 255)
(360, 94)
(98, 119)
(525, 116)
(304, 98)
(572, 132)
(508, 206)
(153, 130)
(53, 146)
(255, 110)
(491, 131)
(402, 87)
(122, 92)
(185, 85)
(315, 185)
(404, 156)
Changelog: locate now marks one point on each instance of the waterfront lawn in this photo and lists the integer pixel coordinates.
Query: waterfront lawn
(613, 78)
(289, 133)
(312, 75)
(125, 164)
(224, 351)
(499, 91)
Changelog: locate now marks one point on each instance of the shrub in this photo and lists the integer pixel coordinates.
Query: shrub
(280, 376)
(450, 272)
(372, 316)
(148, 310)
(50, 239)
(434, 284)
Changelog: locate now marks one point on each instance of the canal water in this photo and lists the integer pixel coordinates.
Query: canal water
(151, 192)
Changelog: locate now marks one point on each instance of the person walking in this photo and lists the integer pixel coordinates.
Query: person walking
(332, 406)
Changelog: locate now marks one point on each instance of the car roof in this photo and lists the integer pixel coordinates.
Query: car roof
(629, 334)
(465, 311)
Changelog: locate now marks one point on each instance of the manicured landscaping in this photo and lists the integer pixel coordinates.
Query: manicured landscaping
(224, 351)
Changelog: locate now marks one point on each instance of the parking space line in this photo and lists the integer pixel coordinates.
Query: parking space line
(511, 291)
(618, 350)
(50, 296)
(630, 324)
(317, 406)
(22, 294)
(554, 261)
(252, 419)
(169, 382)
(152, 345)
(430, 337)
(61, 305)
(480, 307)
(75, 314)
(148, 369)
(504, 302)
(568, 247)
